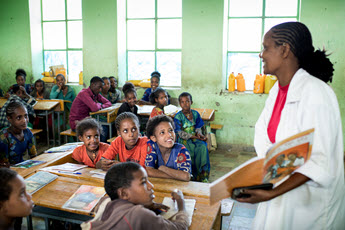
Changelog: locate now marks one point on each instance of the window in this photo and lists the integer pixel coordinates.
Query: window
(248, 21)
(62, 35)
(154, 40)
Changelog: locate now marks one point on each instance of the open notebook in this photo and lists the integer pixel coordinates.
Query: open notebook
(189, 203)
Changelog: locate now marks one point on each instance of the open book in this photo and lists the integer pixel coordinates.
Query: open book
(170, 214)
(281, 160)
(39, 180)
(28, 164)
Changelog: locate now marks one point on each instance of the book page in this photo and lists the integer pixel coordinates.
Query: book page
(28, 164)
(39, 180)
(68, 167)
(189, 204)
(85, 198)
(287, 156)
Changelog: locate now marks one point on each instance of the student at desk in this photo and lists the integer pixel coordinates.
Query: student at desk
(114, 89)
(19, 95)
(20, 78)
(17, 139)
(130, 99)
(165, 158)
(40, 91)
(88, 100)
(155, 80)
(188, 124)
(106, 93)
(131, 204)
(15, 202)
(62, 91)
(89, 131)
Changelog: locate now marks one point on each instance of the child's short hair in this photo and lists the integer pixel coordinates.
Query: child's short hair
(126, 115)
(157, 75)
(12, 106)
(87, 124)
(119, 176)
(185, 94)
(127, 88)
(114, 78)
(155, 94)
(155, 121)
(20, 72)
(105, 78)
(96, 79)
(15, 88)
(6, 176)
(41, 81)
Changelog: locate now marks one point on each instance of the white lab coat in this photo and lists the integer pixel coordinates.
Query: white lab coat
(319, 203)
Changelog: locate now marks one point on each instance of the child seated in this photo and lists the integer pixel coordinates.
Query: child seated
(130, 99)
(131, 198)
(17, 139)
(20, 78)
(40, 91)
(155, 80)
(19, 95)
(159, 97)
(165, 158)
(14, 200)
(89, 131)
(113, 88)
(128, 145)
(106, 93)
(62, 91)
(188, 124)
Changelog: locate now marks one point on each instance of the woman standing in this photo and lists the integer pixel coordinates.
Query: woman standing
(312, 197)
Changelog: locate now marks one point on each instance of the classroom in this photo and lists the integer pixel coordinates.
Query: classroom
(202, 58)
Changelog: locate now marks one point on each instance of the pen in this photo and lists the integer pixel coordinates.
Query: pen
(77, 173)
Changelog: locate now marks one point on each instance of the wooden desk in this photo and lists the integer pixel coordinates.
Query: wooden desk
(55, 194)
(190, 188)
(50, 158)
(110, 113)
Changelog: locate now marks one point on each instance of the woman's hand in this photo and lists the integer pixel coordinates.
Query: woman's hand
(256, 196)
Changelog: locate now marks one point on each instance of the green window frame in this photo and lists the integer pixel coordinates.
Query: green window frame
(70, 79)
(156, 51)
(249, 81)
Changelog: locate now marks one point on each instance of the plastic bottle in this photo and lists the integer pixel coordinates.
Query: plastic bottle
(81, 81)
(259, 83)
(241, 85)
(231, 82)
(270, 80)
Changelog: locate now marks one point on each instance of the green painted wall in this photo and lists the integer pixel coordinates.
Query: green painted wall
(202, 52)
(15, 48)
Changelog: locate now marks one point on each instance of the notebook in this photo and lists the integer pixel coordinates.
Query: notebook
(189, 204)
(39, 180)
(28, 164)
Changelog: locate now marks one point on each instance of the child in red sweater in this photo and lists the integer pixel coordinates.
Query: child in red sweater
(128, 145)
(89, 131)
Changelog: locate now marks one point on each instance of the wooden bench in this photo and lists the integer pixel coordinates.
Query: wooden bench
(111, 139)
(68, 132)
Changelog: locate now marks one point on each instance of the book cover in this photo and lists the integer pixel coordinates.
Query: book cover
(67, 167)
(38, 180)
(28, 164)
(62, 148)
(281, 160)
(85, 198)
(170, 214)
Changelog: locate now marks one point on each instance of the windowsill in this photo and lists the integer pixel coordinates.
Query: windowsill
(241, 93)
(73, 83)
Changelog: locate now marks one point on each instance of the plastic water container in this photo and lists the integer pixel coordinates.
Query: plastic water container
(81, 81)
(259, 83)
(270, 80)
(231, 82)
(241, 85)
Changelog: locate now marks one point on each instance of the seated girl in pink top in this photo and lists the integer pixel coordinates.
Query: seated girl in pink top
(159, 98)
(128, 145)
(89, 131)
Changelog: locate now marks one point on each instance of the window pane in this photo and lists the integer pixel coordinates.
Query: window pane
(75, 65)
(140, 65)
(74, 9)
(169, 33)
(281, 8)
(169, 65)
(54, 35)
(169, 8)
(53, 9)
(75, 34)
(247, 64)
(270, 22)
(54, 58)
(242, 8)
(140, 8)
(244, 35)
(141, 34)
